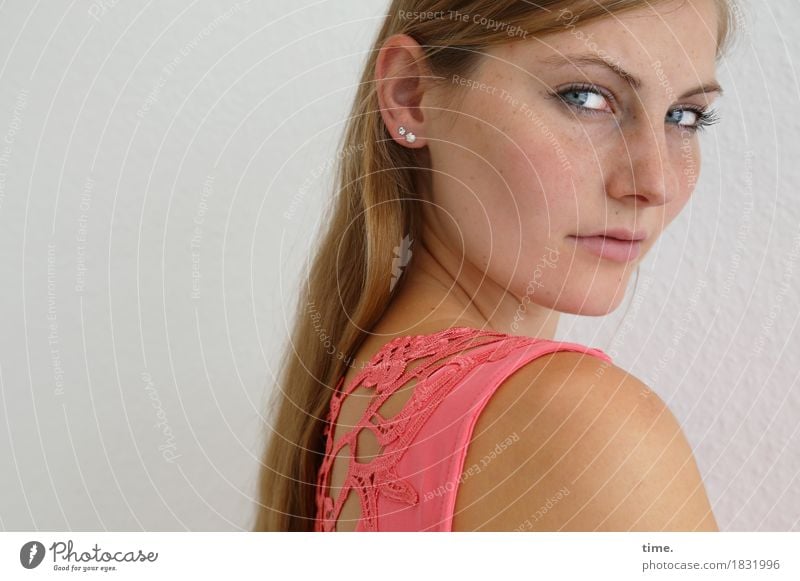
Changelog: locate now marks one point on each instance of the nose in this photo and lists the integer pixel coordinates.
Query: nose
(640, 170)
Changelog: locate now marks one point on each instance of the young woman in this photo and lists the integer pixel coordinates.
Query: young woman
(505, 161)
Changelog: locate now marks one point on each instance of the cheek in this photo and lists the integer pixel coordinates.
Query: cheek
(531, 190)
(541, 179)
(526, 165)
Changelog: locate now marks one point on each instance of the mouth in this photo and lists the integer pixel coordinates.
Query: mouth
(610, 247)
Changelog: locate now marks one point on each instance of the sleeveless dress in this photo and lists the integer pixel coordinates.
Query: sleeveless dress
(411, 484)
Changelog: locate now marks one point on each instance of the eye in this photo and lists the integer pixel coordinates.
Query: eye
(586, 98)
(698, 118)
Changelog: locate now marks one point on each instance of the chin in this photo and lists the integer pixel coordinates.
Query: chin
(597, 303)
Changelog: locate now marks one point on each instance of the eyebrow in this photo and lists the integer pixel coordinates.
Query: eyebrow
(632, 80)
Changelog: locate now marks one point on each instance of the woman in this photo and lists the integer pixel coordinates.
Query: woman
(505, 161)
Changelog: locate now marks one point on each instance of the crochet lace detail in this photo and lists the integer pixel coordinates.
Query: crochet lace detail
(386, 373)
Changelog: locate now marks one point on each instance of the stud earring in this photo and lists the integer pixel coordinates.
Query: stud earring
(410, 137)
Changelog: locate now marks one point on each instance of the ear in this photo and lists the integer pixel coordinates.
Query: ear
(401, 78)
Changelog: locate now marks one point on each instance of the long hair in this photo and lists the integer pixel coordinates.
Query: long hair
(351, 280)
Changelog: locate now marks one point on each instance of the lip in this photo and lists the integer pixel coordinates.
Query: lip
(619, 234)
(610, 248)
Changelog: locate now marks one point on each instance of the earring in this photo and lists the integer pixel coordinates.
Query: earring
(410, 137)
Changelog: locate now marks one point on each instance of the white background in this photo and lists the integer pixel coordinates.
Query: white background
(116, 151)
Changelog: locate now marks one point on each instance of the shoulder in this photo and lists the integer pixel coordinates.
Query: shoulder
(593, 449)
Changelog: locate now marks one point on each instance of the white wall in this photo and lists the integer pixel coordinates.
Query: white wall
(151, 142)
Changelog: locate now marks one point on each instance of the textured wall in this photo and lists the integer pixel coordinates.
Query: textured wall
(164, 168)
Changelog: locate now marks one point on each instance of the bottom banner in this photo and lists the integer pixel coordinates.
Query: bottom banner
(388, 556)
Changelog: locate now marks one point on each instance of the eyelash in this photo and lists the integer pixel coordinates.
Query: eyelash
(705, 116)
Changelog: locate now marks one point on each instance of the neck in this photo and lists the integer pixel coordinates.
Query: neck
(442, 285)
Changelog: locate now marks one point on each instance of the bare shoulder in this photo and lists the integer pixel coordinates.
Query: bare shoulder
(571, 442)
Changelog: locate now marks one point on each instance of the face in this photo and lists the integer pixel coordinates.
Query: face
(543, 144)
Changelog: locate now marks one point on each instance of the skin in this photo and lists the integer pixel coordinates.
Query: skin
(503, 200)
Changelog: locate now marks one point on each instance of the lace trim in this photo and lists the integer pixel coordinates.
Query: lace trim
(386, 372)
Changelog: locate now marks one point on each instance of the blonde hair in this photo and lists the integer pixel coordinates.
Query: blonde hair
(350, 282)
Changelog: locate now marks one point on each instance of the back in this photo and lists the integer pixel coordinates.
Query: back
(401, 464)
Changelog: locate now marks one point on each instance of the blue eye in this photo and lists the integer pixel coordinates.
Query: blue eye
(700, 118)
(586, 99)
(589, 99)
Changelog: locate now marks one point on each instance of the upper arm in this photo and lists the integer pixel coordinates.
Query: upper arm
(591, 448)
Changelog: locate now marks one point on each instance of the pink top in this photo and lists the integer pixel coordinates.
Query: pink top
(411, 484)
